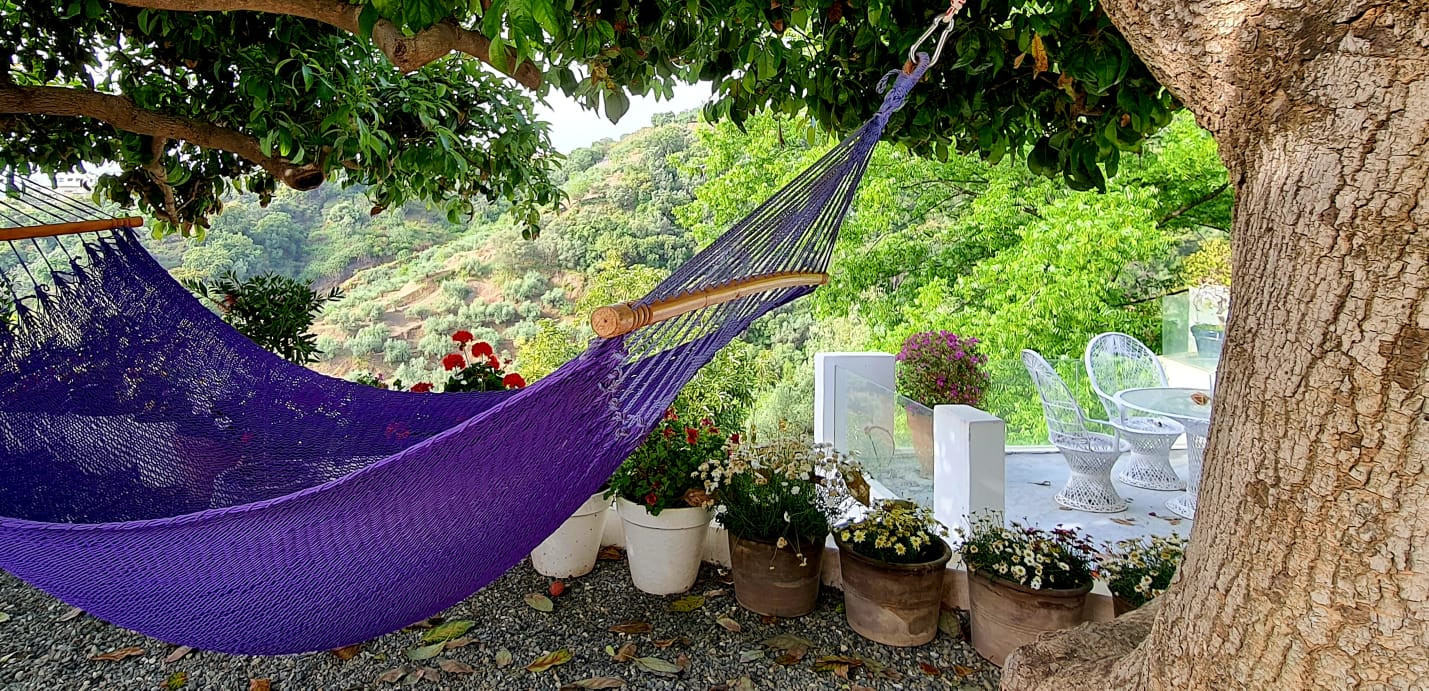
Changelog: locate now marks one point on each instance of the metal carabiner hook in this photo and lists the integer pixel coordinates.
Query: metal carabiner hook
(945, 18)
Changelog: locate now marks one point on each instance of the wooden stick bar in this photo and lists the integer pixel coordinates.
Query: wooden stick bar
(49, 230)
(614, 320)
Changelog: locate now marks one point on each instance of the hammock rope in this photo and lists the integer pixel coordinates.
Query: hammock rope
(165, 474)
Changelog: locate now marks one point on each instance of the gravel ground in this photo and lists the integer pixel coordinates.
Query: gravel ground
(40, 651)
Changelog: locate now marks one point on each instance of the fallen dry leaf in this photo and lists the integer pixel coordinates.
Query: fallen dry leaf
(688, 603)
(791, 656)
(881, 671)
(455, 667)
(682, 661)
(950, 625)
(595, 683)
(626, 653)
(462, 642)
(930, 670)
(179, 653)
(503, 658)
(120, 654)
(717, 592)
(540, 602)
(175, 681)
(611, 553)
(424, 624)
(426, 652)
(751, 655)
(963, 672)
(1124, 521)
(347, 652)
(655, 665)
(1199, 398)
(632, 627)
(787, 641)
(728, 624)
(428, 673)
(1043, 483)
(742, 684)
(391, 676)
(260, 685)
(838, 664)
(860, 687)
(769, 619)
(549, 660)
(447, 631)
(725, 576)
(667, 642)
(71, 615)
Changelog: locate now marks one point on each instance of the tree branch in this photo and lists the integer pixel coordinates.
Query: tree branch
(407, 53)
(1194, 203)
(123, 114)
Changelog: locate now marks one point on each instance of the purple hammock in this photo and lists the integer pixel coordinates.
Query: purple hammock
(161, 472)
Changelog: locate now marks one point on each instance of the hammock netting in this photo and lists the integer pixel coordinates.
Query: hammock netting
(161, 472)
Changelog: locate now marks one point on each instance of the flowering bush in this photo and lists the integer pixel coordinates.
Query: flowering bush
(477, 370)
(1139, 570)
(939, 367)
(896, 531)
(1058, 559)
(785, 489)
(661, 473)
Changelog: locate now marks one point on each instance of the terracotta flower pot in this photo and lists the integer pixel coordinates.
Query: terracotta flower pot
(1120, 605)
(920, 428)
(773, 581)
(893, 604)
(1007, 616)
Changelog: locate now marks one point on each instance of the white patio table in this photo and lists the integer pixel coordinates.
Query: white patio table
(1179, 404)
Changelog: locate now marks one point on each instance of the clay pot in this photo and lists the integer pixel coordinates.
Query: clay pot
(772, 581)
(920, 428)
(1120, 605)
(663, 552)
(1007, 616)
(893, 604)
(571, 551)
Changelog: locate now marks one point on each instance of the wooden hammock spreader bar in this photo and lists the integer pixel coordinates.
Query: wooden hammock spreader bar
(615, 320)
(49, 230)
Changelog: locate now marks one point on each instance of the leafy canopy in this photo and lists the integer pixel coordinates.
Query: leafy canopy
(265, 97)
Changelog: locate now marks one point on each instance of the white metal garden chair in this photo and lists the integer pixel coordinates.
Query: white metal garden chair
(1090, 455)
(1117, 362)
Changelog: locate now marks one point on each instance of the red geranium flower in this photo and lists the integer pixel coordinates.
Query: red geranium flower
(494, 362)
(692, 436)
(669, 433)
(422, 387)
(670, 414)
(734, 437)
(514, 381)
(482, 348)
(463, 337)
(453, 361)
(651, 499)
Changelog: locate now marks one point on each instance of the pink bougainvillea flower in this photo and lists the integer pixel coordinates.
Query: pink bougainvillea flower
(482, 348)
(453, 361)
(422, 387)
(463, 337)
(514, 381)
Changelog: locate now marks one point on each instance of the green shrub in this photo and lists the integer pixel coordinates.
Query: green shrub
(396, 352)
(369, 339)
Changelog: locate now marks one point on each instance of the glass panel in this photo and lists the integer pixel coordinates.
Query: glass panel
(891, 435)
(1012, 397)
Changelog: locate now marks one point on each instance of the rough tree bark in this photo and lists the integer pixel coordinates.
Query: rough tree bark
(407, 53)
(122, 113)
(1309, 559)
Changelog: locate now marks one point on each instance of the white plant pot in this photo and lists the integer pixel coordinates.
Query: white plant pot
(572, 550)
(663, 551)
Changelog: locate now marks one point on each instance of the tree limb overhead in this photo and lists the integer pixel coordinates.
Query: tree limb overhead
(123, 114)
(407, 53)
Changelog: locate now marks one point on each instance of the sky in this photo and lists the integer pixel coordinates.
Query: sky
(573, 127)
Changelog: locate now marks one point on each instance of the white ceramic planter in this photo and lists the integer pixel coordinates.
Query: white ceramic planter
(663, 551)
(572, 550)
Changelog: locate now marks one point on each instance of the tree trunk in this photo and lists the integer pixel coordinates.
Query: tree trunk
(1309, 558)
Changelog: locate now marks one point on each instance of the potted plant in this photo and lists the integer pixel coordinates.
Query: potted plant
(662, 504)
(892, 561)
(1138, 570)
(1022, 581)
(775, 499)
(937, 368)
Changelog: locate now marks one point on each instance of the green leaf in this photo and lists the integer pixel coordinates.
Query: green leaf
(366, 20)
(658, 666)
(447, 631)
(616, 104)
(426, 652)
(539, 602)
(689, 603)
